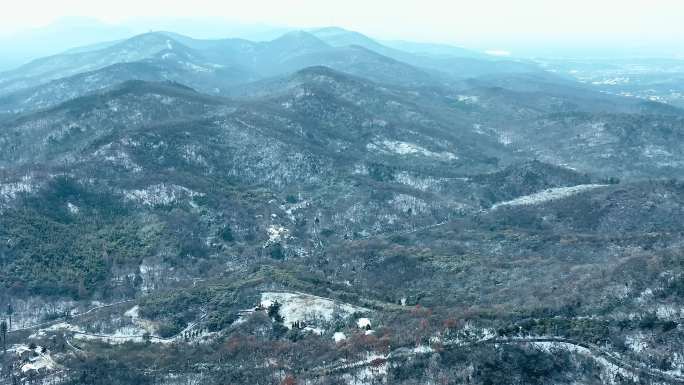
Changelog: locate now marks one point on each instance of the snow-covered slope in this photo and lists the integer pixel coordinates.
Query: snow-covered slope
(311, 309)
(548, 195)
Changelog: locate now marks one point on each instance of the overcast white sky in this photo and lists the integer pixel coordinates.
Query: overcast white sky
(494, 23)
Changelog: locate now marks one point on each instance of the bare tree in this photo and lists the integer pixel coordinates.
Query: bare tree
(10, 311)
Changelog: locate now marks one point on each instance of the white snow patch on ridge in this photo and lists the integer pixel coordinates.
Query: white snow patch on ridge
(548, 195)
(160, 194)
(406, 148)
(611, 81)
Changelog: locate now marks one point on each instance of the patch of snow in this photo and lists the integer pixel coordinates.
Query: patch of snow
(9, 191)
(498, 52)
(637, 342)
(406, 148)
(39, 359)
(314, 330)
(611, 371)
(360, 169)
(505, 138)
(405, 202)
(422, 349)
(668, 312)
(133, 312)
(653, 151)
(276, 233)
(339, 337)
(468, 99)
(309, 309)
(151, 274)
(64, 327)
(291, 208)
(36, 364)
(194, 67)
(160, 194)
(611, 81)
(487, 334)
(134, 332)
(421, 183)
(477, 127)
(73, 209)
(469, 333)
(372, 374)
(645, 296)
(548, 195)
(120, 336)
(191, 153)
(363, 323)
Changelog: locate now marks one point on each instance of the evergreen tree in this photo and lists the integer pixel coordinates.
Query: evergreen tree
(3, 332)
(274, 312)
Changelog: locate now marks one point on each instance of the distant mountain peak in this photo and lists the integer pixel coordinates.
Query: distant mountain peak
(302, 38)
(149, 39)
(339, 37)
(330, 30)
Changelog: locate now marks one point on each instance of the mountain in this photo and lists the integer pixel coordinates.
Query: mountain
(434, 49)
(63, 34)
(322, 208)
(288, 53)
(79, 34)
(322, 131)
(340, 37)
(209, 65)
(338, 142)
(453, 65)
(164, 66)
(54, 67)
(337, 37)
(297, 50)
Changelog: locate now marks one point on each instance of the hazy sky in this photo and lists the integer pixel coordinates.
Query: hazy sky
(494, 24)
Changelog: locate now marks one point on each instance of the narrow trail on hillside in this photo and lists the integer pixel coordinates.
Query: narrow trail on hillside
(62, 319)
(141, 337)
(594, 351)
